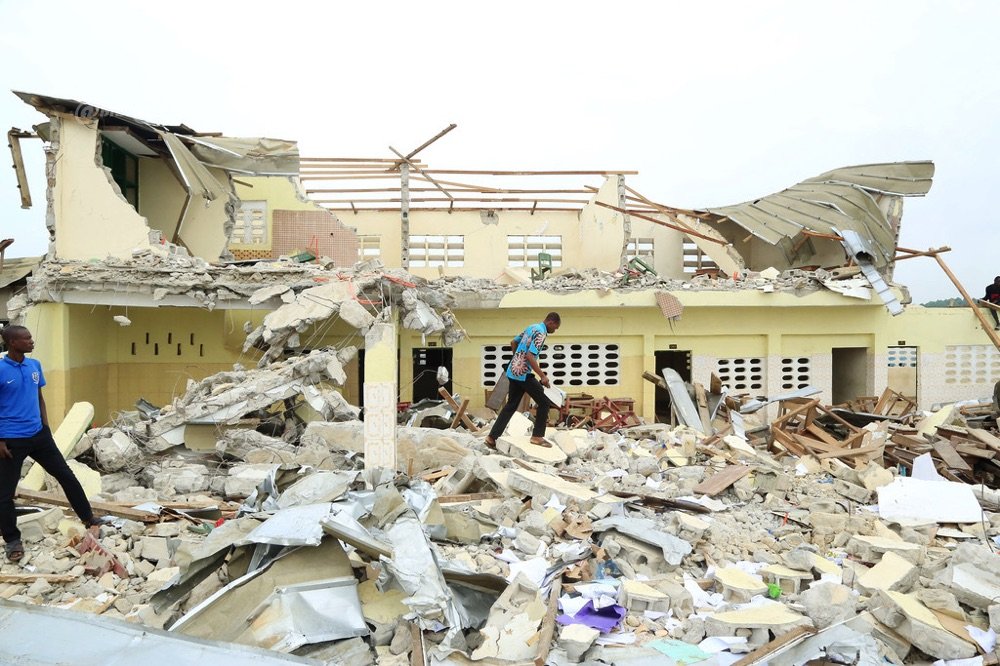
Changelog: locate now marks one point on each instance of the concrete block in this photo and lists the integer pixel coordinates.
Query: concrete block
(757, 623)
(635, 557)
(639, 597)
(737, 585)
(891, 573)
(994, 612)
(789, 580)
(155, 549)
(916, 623)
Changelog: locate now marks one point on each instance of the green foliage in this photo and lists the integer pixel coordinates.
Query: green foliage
(946, 303)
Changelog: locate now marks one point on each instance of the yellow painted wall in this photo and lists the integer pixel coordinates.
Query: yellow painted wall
(280, 193)
(161, 196)
(92, 220)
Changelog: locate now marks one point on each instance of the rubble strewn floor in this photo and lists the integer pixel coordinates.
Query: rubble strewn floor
(633, 546)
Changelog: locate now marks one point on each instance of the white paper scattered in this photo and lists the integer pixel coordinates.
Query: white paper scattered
(554, 503)
(716, 644)
(533, 569)
(972, 661)
(986, 639)
(572, 605)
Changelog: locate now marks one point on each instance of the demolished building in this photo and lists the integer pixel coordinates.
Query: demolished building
(255, 508)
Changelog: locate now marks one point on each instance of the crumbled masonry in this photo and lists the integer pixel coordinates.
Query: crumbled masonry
(273, 540)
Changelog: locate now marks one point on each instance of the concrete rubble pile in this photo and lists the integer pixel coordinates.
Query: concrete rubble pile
(652, 544)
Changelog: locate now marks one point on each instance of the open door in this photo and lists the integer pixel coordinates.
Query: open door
(679, 361)
(426, 361)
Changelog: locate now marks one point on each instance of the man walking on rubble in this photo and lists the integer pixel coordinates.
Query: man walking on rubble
(993, 297)
(24, 432)
(526, 347)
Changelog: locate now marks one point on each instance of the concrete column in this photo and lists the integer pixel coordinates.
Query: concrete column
(626, 221)
(404, 213)
(381, 363)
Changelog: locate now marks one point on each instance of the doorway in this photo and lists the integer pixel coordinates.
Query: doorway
(850, 373)
(679, 361)
(426, 361)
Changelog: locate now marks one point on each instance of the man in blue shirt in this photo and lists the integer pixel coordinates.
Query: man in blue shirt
(526, 347)
(24, 432)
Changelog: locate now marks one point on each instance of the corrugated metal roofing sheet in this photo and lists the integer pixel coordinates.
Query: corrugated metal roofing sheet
(840, 199)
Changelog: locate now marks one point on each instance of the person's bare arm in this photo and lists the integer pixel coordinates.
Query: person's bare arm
(41, 408)
(542, 377)
(4, 451)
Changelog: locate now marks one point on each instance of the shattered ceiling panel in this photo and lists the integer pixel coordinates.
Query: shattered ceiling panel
(839, 199)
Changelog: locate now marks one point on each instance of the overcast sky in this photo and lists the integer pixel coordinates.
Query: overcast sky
(713, 103)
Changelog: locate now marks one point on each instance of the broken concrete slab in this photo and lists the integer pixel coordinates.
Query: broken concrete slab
(891, 573)
(521, 447)
(872, 548)
(757, 622)
(916, 623)
(674, 549)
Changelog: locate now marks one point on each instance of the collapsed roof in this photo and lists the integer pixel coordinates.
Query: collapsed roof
(845, 199)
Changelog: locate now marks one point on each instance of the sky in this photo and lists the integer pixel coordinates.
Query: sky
(714, 103)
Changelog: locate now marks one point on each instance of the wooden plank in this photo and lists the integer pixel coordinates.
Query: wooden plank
(548, 627)
(650, 377)
(460, 413)
(949, 455)
(974, 450)
(987, 438)
(466, 421)
(761, 654)
(416, 645)
(823, 435)
(32, 577)
(701, 397)
(469, 497)
(99, 507)
(850, 453)
(719, 481)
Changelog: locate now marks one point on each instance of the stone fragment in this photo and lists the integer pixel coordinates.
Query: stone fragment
(828, 603)
(116, 451)
(873, 476)
(576, 639)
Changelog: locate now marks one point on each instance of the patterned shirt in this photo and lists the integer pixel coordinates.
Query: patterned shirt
(530, 341)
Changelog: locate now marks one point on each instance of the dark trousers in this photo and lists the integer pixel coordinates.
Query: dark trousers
(996, 320)
(43, 450)
(532, 387)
